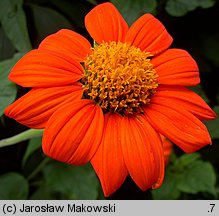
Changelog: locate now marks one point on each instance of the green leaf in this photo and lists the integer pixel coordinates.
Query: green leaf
(6, 48)
(92, 2)
(198, 177)
(33, 145)
(42, 193)
(7, 89)
(182, 7)
(212, 125)
(13, 20)
(188, 174)
(206, 3)
(185, 160)
(76, 182)
(47, 21)
(74, 11)
(131, 11)
(13, 187)
(168, 190)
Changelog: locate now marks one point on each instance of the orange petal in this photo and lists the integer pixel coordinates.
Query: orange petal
(185, 98)
(108, 161)
(35, 108)
(43, 68)
(143, 152)
(149, 35)
(105, 23)
(179, 126)
(176, 67)
(67, 43)
(73, 133)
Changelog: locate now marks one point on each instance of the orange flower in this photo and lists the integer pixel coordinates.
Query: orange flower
(108, 104)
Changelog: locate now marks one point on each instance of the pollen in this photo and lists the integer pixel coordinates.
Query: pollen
(119, 77)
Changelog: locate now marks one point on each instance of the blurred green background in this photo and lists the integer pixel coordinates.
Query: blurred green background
(25, 173)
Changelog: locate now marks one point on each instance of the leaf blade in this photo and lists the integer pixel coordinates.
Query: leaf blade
(198, 177)
(179, 8)
(13, 20)
(73, 181)
(132, 11)
(9, 187)
(8, 90)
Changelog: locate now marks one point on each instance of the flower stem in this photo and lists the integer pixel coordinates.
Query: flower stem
(28, 134)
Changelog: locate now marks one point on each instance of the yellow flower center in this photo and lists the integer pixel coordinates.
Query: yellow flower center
(119, 77)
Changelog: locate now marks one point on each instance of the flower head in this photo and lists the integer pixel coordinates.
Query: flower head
(119, 77)
(112, 104)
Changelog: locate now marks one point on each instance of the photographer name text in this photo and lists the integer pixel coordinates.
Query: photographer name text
(12, 208)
